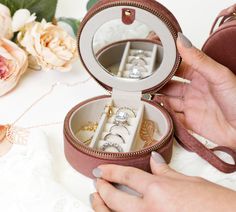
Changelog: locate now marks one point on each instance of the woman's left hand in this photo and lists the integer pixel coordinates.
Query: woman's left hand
(164, 190)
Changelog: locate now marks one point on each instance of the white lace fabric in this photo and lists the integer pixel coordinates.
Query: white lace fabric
(28, 182)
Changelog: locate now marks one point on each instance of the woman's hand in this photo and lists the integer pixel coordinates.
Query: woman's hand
(165, 190)
(207, 105)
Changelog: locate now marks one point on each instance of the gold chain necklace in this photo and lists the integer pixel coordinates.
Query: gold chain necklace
(19, 135)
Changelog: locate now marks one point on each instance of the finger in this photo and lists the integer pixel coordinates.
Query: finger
(175, 89)
(200, 62)
(176, 104)
(128, 176)
(185, 71)
(116, 199)
(98, 204)
(181, 117)
(160, 168)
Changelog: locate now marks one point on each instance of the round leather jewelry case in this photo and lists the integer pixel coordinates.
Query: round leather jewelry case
(221, 45)
(129, 48)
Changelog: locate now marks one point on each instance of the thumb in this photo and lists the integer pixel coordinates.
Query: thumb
(159, 165)
(211, 70)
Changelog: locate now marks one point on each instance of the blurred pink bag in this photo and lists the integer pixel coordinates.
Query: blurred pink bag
(221, 45)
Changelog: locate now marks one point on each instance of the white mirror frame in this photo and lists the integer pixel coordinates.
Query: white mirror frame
(145, 17)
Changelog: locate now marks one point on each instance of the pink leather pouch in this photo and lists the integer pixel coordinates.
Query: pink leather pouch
(221, 45)
(101, 59)
(104, 22)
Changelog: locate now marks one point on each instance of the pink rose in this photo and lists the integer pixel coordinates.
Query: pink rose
(13, 63)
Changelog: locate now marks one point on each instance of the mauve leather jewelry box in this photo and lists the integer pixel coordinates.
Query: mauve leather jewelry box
(111, 39)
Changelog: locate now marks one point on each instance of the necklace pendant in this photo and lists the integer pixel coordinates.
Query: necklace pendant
(17, 135)
(3, 132)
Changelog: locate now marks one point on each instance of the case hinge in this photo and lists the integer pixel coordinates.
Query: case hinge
(124, 95)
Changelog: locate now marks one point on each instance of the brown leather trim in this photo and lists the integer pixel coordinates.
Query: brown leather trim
(85, 163)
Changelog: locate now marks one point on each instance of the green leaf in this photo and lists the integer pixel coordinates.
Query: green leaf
(91, 3)
(43, 8)
(74, 23)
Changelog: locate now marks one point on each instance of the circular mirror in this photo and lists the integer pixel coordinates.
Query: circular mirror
(132, 52)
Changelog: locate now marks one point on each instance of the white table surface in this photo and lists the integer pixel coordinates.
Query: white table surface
(195, 18)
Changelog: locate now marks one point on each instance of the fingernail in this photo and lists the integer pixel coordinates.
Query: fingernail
(158, 158)
(97, 173)
(91, 199)
(95, 183)
(184, 40)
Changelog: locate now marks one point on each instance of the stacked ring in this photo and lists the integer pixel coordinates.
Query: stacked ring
(141, 53)
(138, 61)
(119, 126)
(114, 135)
(136, 72)
(125, 109)
(113, 145)
(121, 118)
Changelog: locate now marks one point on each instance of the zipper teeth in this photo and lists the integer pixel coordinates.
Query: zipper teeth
(105, 155)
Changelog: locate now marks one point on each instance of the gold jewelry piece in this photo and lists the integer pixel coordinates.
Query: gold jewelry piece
(114, 135)
(109, 110)
(3, 132)
(147, 132)
(14, 135)
(87, 142)
(91, 127)
(18, 135)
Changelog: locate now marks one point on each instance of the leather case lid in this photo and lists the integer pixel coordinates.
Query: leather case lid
(148, 12)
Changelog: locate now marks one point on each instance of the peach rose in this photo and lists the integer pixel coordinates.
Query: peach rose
(51, 46)
(5, 22)
(13, 63)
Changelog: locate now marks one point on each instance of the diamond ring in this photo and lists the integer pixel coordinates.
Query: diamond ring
(112, 145)
(110, 135)
(136, 72)
(140, 53)
(119, 127)
(138, 61)
(127, 110)
(121, 118)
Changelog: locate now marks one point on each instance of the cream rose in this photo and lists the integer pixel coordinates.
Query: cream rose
(21, 18)
(51, 46)
(13, 63)
(5, 22)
